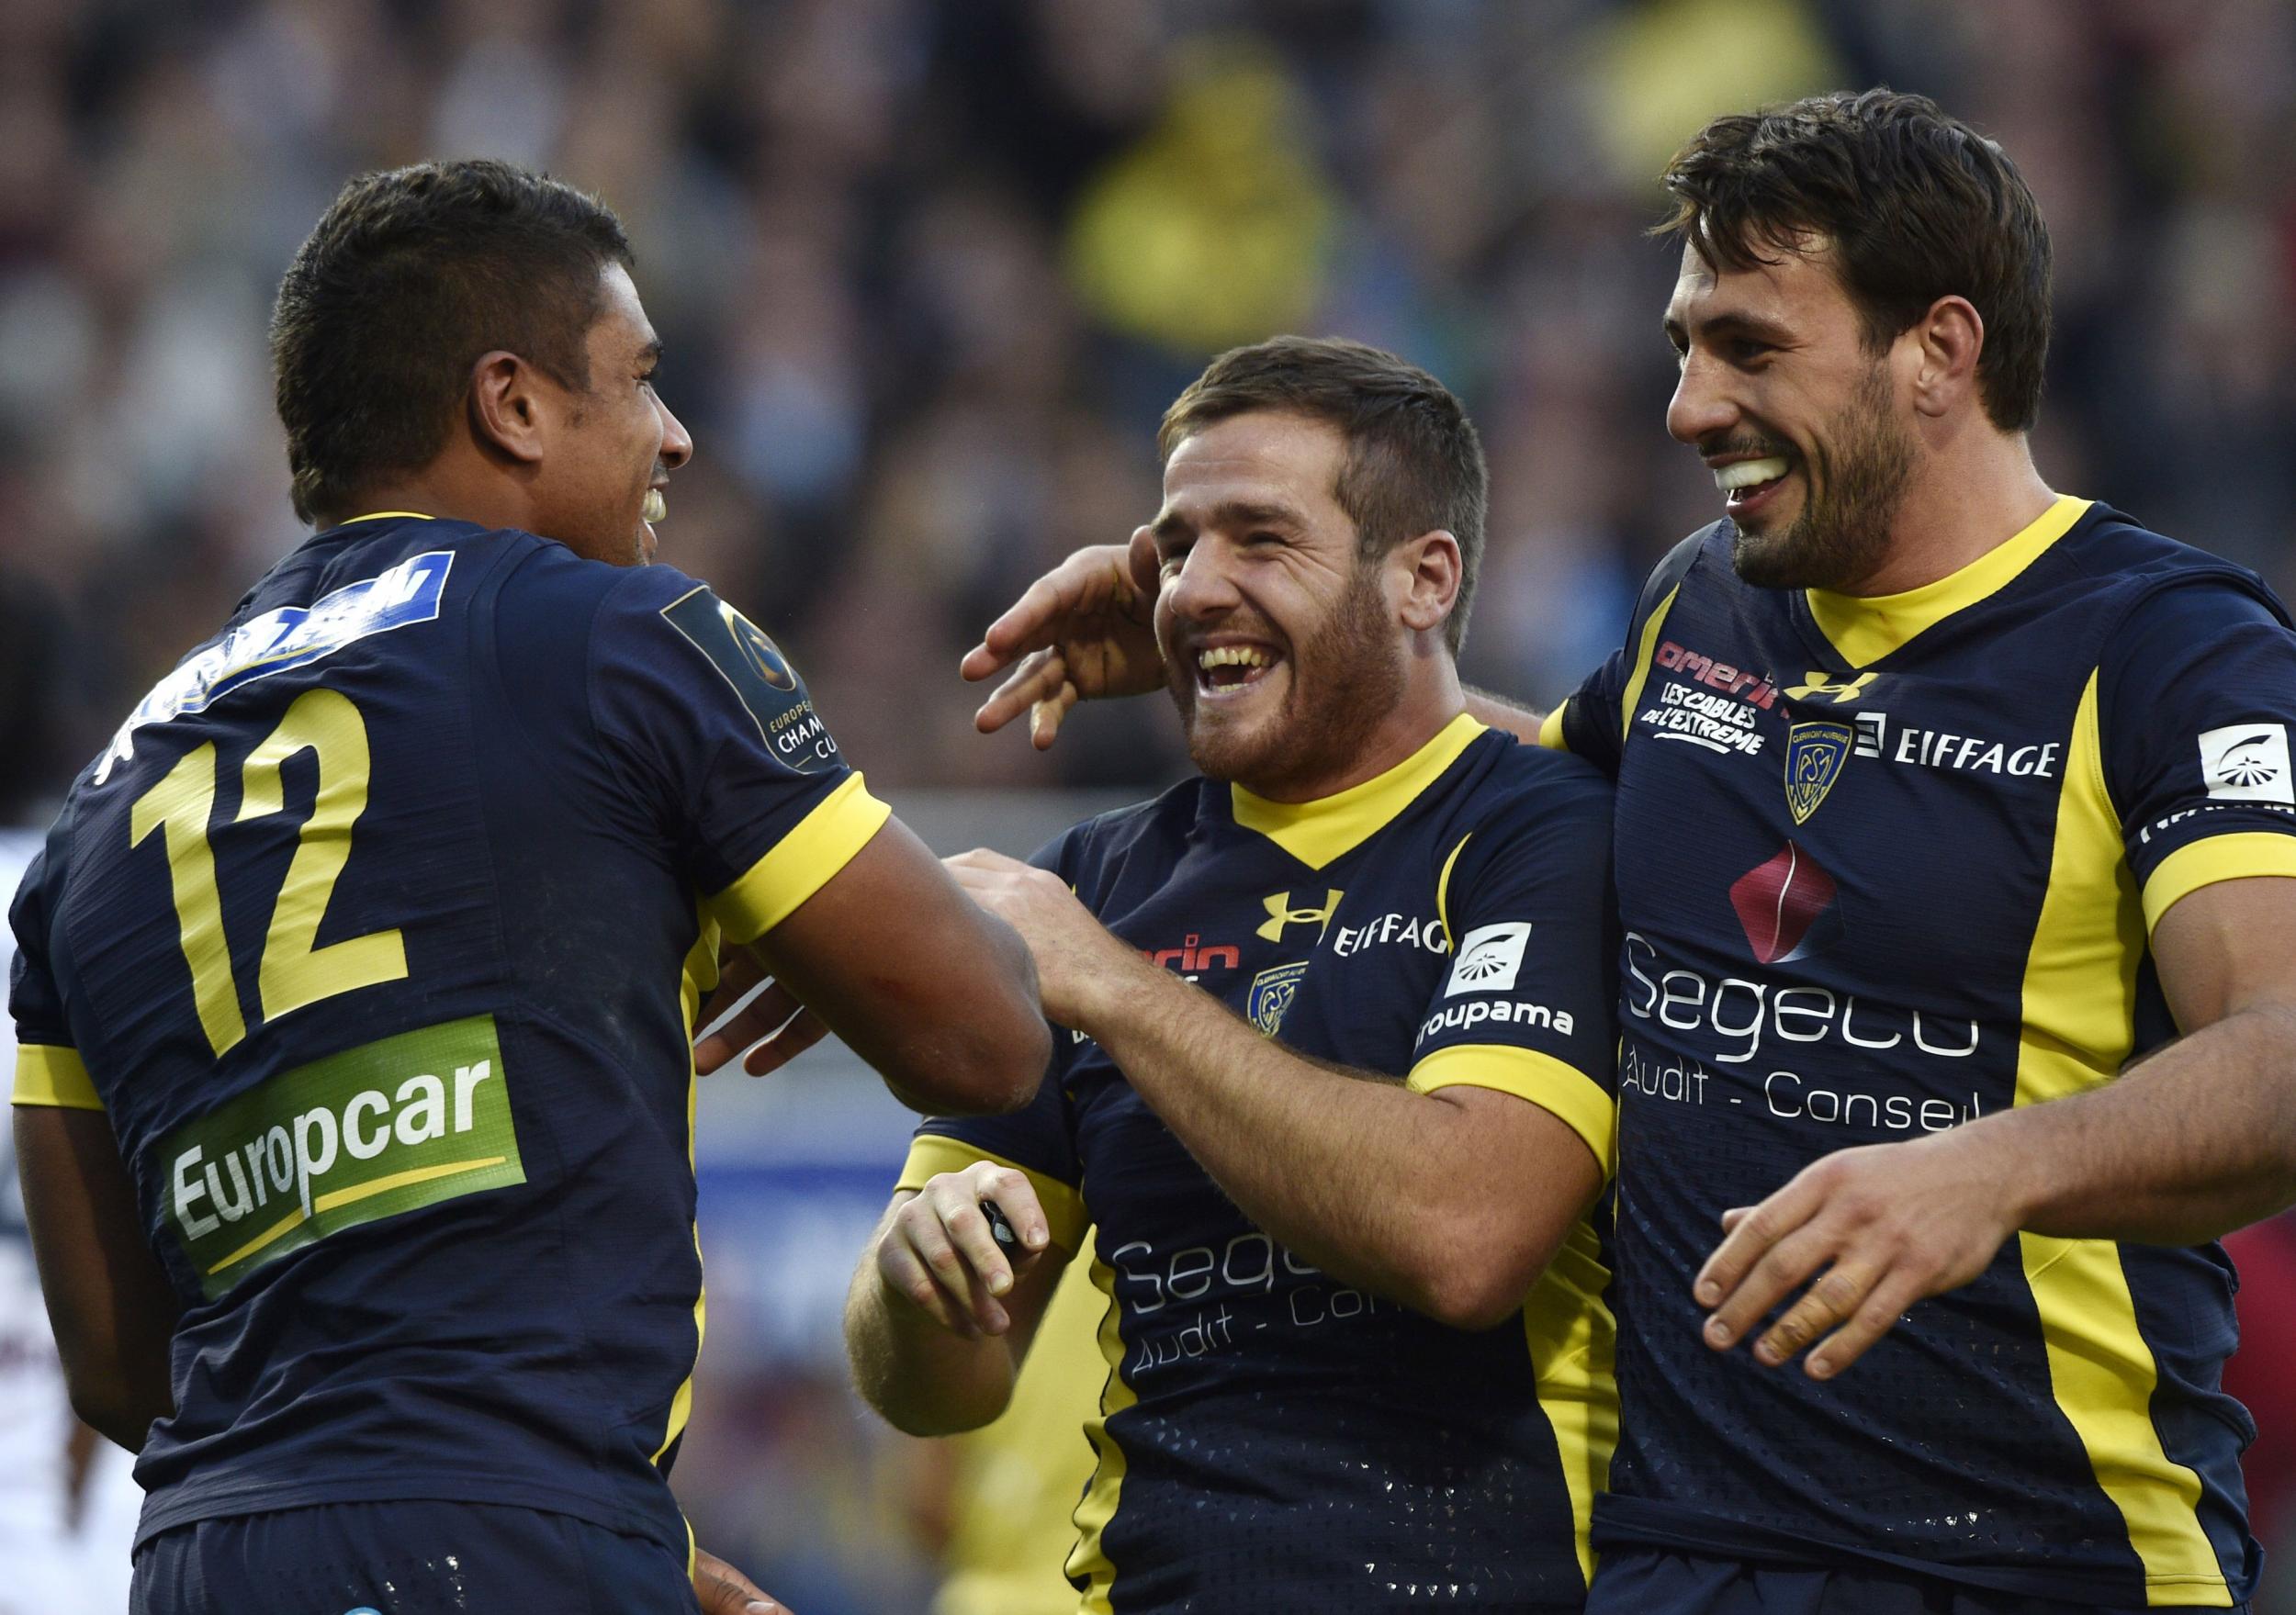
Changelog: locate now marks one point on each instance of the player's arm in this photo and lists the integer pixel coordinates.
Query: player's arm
(936, 994)
(1450, 1194)
(939, 1318)
(109, 1301)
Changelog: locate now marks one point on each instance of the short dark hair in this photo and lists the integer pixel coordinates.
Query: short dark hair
(410, 276)
(1916, 206)
(1413, 461)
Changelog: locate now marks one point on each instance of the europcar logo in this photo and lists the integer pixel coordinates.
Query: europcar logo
(1780, 903)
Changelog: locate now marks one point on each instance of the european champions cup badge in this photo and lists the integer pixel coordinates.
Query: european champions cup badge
(1815, 752)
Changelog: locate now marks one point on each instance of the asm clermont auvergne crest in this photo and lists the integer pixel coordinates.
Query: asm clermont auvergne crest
(1272, 993)
(1814, 755)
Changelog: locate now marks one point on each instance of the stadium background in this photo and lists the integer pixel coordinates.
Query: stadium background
(927, 272)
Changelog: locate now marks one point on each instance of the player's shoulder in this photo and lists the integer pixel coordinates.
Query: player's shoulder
(1156, 829)
(1534, 787)
(2149, 577)
(1700, 560)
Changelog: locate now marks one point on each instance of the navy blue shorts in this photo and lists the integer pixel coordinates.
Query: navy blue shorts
(406, 1558)
(1640, 1582)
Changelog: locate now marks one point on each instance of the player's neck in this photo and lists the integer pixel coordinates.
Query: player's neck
(450, 492)
(1432, 698)
(1960, 507)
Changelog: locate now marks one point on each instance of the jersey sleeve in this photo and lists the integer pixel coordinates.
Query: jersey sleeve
(2195, 699)
(1039, 1140)
(1593, 722)
(1525, 1008)
(49, 1071)
(701, 712)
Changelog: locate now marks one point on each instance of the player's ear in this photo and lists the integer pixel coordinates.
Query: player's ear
(1428, 570)
(1952, 336)
(507, 414)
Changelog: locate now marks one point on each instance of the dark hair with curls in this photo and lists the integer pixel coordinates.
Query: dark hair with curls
(1916, 205)
(410, 277)
(1413, 461)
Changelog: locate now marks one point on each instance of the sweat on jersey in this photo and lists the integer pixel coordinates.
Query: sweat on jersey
(1886, 866)
(378, 934)
(1268, 1437)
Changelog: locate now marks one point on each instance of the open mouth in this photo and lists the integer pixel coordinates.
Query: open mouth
(1747, 485)
(1229, 670)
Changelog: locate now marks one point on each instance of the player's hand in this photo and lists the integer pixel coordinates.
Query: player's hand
(1083, 631)
(1078, 960)
(937, 1252)
(1879, 1228)
(773, 1027)
(723, 1590)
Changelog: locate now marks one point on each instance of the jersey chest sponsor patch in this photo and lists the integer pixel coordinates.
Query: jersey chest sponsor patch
(385, 1127)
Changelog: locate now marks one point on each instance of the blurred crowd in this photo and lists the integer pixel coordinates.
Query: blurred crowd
(930, 270)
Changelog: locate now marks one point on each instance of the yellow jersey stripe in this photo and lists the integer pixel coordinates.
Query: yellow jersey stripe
(2080, 1024)
(1644, 653)
(1088, 1562)
(1572, 1097)
(2238, 857)
(930, 1154)
(696, 983)
(1865, 628)
(50, 1074)
(1442, 890)
(801, 863)
(1550, 733)
(1330, 827)
(1574, 1341)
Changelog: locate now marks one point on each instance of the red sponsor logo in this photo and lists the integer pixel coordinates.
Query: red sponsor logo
(1192, 956)
(1752, 688)
(1779, 900)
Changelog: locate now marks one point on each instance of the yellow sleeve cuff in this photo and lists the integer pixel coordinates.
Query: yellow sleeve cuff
(2220, 858)
(52, 1075)
(800, 863)
(1550, 729)
(930, 1154)
(1568, 1095)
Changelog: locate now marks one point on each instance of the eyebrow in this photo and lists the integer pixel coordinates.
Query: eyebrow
(1729, 325)
(1171, 524)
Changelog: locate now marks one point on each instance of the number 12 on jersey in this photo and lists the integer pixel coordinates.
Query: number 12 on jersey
(293, 973)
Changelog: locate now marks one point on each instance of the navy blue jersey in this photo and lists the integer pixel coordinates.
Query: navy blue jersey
(1885, 866)
(1270, 1437)
(378, 933)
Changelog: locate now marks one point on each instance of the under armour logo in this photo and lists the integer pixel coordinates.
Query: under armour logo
(1821, 684)
(1281, 914)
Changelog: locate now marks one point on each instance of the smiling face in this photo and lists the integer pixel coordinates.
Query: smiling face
(601, 487)
(1282, 650)
(1799, 419)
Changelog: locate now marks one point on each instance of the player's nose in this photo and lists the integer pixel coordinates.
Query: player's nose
(677, 444)
(1205, 584)
(1702, 405)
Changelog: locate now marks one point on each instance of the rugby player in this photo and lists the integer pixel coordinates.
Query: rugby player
(358, 974)
(1942, 798)
(1332, 1092)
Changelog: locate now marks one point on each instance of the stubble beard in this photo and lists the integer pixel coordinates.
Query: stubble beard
(1345, 681)
(1840, 538)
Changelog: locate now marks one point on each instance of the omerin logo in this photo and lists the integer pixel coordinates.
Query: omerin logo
(1272, 993)
(2248, 762)
(1281, 912)
(1193, 956)
(1490, 958)
(1779, 903)
(1814, 755)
